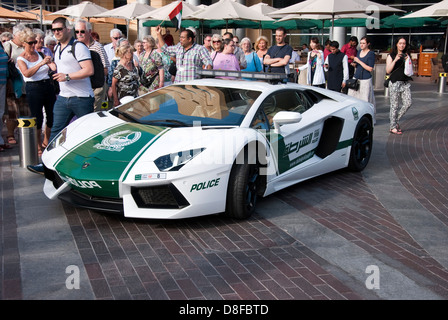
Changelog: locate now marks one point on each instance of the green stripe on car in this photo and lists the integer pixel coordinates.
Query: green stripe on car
(94, 167)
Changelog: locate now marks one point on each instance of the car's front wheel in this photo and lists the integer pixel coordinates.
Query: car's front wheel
(361, 145)
(243, 189)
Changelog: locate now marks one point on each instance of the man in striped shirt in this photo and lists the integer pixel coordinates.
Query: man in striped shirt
(83, 33)
(189, 55)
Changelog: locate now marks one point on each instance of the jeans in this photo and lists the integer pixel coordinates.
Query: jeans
(64, 110)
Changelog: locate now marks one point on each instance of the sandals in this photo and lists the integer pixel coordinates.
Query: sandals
(11, 140)
(395, 131)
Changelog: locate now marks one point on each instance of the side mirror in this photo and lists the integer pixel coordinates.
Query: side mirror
(285, 117)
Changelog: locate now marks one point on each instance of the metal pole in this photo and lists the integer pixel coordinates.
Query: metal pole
(446, 36)
(28, 142)
(442, 82)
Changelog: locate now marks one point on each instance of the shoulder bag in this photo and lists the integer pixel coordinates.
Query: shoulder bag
(13, 72)
(352, 84)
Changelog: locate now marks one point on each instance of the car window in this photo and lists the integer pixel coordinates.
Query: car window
(188, 104)
(285, 100)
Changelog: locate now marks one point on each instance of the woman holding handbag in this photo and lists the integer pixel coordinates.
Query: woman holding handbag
(39, 88)
(365, 62)
(125, 79)
(399, 86)
(315, 64)
(153, 75)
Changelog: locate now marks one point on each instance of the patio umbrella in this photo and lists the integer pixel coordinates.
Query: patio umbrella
(395, 21)
(263, 8)
(9, 14)
(323, 20)
(232, 13)
(293, 24)
(160, 16)
(85, 9)
(331, 8)
(128, 12)
(439, 9)
(43, 16)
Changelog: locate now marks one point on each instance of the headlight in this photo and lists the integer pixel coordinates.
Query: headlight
(58, 141)
(175, 161)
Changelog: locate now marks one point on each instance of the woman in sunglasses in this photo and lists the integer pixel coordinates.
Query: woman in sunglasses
(35, 67)
(217, 42)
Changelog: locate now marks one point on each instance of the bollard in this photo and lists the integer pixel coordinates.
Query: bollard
(27, 142)
(442, 82)
(386, 91)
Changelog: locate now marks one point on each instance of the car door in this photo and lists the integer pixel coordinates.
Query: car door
(296, 142)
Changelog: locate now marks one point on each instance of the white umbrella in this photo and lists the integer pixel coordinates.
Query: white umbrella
(228, 10)
(331, 8)
(85, 9)
(263, 8)
(129, 12)
(439, 9)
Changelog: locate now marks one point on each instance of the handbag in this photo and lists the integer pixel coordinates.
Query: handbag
(144, 81)
(408, 67)
(13, 72)
(386, 80)
(352, 84)
(173, 69)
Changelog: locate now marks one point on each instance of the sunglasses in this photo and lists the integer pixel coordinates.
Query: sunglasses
(117, 38)
(80, 31)
(57, 29)
(216, 41)
(31, 42)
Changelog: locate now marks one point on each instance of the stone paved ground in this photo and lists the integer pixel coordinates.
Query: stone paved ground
(312, 241)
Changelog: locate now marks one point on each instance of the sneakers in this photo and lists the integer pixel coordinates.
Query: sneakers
(38, 168)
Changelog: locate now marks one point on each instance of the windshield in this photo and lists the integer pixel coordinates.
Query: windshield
(181, 105)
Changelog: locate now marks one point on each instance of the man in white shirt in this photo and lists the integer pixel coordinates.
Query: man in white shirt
(115, 35)
(76, 96)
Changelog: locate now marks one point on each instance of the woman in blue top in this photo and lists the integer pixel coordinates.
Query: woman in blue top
(365, 61)
(253, 62)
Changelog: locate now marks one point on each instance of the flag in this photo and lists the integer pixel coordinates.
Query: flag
(176, 15)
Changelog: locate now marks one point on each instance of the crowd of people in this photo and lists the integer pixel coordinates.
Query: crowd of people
(55, 84)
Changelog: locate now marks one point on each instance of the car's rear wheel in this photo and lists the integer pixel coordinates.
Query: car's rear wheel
(243, 189)
(361, 145)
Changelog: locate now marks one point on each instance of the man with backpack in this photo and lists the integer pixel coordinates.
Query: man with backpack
(83, 33)
(76, 95)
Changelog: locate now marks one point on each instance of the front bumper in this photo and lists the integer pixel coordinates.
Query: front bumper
(155, 201)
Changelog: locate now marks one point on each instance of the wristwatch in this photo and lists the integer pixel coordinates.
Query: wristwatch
(67, 77)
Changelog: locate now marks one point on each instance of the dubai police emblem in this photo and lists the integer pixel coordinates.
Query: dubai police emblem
(117, 141)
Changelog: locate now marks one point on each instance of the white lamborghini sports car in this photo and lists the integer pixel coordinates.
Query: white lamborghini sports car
(206, 146)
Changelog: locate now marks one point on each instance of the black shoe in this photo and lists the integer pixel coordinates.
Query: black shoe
(38, 168)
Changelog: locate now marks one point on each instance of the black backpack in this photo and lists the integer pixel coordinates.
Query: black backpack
(97, 78)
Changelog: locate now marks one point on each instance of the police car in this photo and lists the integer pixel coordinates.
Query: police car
(206, 146)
